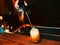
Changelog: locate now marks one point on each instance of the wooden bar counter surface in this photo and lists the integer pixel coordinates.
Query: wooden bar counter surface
(18, 39)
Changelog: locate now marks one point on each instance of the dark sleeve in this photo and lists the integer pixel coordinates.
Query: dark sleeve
(20, 3)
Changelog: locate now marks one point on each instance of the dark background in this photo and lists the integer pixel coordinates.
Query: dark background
(47, 12)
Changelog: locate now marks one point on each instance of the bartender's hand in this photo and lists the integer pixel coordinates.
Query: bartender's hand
(15, 3)
(25, 3)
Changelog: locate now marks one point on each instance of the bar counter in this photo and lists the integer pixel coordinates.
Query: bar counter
(18, 39)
